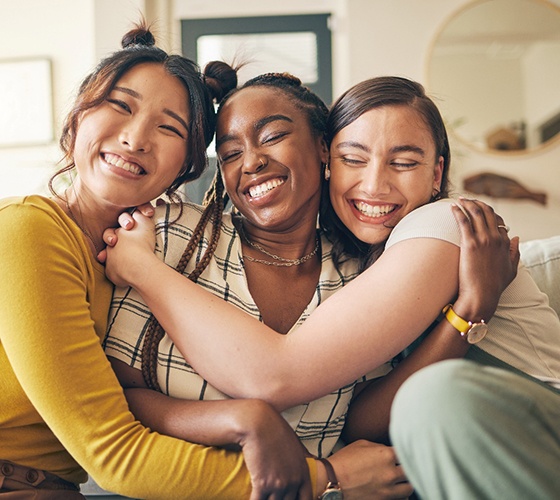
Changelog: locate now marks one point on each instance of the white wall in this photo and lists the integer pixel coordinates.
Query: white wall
(370, 37)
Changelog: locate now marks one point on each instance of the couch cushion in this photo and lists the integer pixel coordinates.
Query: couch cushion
(542, 259)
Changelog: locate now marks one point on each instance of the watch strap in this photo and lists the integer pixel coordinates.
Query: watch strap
(331, 475)
(458, 323)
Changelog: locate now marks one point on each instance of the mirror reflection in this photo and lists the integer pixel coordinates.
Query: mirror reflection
(495, 70)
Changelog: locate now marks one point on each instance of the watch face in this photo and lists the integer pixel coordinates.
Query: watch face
(477, 332)
(332, 494)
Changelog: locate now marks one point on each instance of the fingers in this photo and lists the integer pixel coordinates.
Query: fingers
(481, 218)
(147, 210)
(110, 237)
(102, 256)
(126, 220)
(306, 491)
(514, 253)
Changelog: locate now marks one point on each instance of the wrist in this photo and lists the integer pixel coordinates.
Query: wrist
(471, 331)
(322, 479)
(473, 310)
(251, 420)
(332, 489)
(142, 274)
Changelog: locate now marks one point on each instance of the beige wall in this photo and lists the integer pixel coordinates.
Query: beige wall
(370, 37)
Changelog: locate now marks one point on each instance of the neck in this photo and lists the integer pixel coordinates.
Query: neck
(293, 243)
(89, 216)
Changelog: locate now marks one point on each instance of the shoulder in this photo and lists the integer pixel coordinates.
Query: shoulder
(433, 220)
(34, 216)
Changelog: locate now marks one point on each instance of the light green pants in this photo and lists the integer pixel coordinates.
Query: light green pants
(462, 430)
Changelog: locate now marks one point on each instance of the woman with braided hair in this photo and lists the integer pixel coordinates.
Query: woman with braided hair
(214, 249)
(140, 126)
(269, 260)
(389, 160)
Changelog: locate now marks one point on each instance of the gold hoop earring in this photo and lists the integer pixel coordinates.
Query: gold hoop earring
(327, 172)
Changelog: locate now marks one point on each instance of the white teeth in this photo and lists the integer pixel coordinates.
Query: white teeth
(118, 162)
(265, 187)
(373, 210)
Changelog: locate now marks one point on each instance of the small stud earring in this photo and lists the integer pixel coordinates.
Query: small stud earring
(327, 172)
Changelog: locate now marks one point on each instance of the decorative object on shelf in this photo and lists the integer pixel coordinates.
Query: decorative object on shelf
(499, 186)
(494, 64)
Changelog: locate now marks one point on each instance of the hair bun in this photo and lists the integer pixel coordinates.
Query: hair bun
(140, 35)
(220, 78)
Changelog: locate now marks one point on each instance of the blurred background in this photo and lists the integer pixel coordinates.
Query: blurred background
(493, 67)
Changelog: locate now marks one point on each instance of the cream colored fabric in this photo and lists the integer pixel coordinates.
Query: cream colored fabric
(525, 331)
(542, 259)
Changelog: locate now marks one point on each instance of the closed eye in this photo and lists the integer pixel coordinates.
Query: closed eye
(229, 156)
(120, 104)
(404, 164)
(352, 162)
(274, 137)
(173, 129)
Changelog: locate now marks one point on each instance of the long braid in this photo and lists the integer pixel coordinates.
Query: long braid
(214, 201)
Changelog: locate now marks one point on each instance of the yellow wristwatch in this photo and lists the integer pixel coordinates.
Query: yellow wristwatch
(471, 332)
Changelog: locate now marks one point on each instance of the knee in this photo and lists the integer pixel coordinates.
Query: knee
(435, 394)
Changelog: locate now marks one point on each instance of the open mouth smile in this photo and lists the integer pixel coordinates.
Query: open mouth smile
(117, 161)
(373, 211)
(264, 188)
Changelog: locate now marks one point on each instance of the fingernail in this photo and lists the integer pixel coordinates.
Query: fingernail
(127, 223)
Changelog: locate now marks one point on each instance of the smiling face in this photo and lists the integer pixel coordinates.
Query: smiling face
(132, 146)
(270, 158)
(383, 166)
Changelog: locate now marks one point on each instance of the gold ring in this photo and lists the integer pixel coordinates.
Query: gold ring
(503, 227)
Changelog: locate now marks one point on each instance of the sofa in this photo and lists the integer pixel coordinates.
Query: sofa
(542, 259)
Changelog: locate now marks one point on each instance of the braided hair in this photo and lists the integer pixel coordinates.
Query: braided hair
(216, 199)
(215, 203)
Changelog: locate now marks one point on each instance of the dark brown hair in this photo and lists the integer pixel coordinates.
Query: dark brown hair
(367, 95)
(202, 90)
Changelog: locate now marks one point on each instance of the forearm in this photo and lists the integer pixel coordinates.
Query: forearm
(211, 423)
(250, 360)
(272, 452)
(369, 413)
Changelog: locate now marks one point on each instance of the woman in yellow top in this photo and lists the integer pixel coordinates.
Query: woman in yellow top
(140, 126)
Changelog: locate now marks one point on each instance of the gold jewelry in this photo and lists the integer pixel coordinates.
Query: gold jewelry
(261, 163)
(327, 172)
(502, 226)
(278, 261)
(471, 332)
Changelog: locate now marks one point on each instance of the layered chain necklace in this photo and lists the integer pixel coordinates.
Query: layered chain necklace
(277, 260)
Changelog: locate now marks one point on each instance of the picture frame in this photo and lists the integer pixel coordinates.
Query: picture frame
(26, 101)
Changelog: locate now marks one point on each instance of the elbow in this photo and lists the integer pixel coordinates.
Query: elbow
(278, 392)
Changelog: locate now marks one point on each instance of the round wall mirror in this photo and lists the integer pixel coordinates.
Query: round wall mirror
(494, 70)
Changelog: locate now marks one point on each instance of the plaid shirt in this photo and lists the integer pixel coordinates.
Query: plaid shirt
(318, 423)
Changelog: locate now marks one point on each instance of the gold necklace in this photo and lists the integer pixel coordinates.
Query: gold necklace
(278, 261)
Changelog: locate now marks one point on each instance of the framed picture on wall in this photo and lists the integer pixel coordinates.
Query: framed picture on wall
(26, 102)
